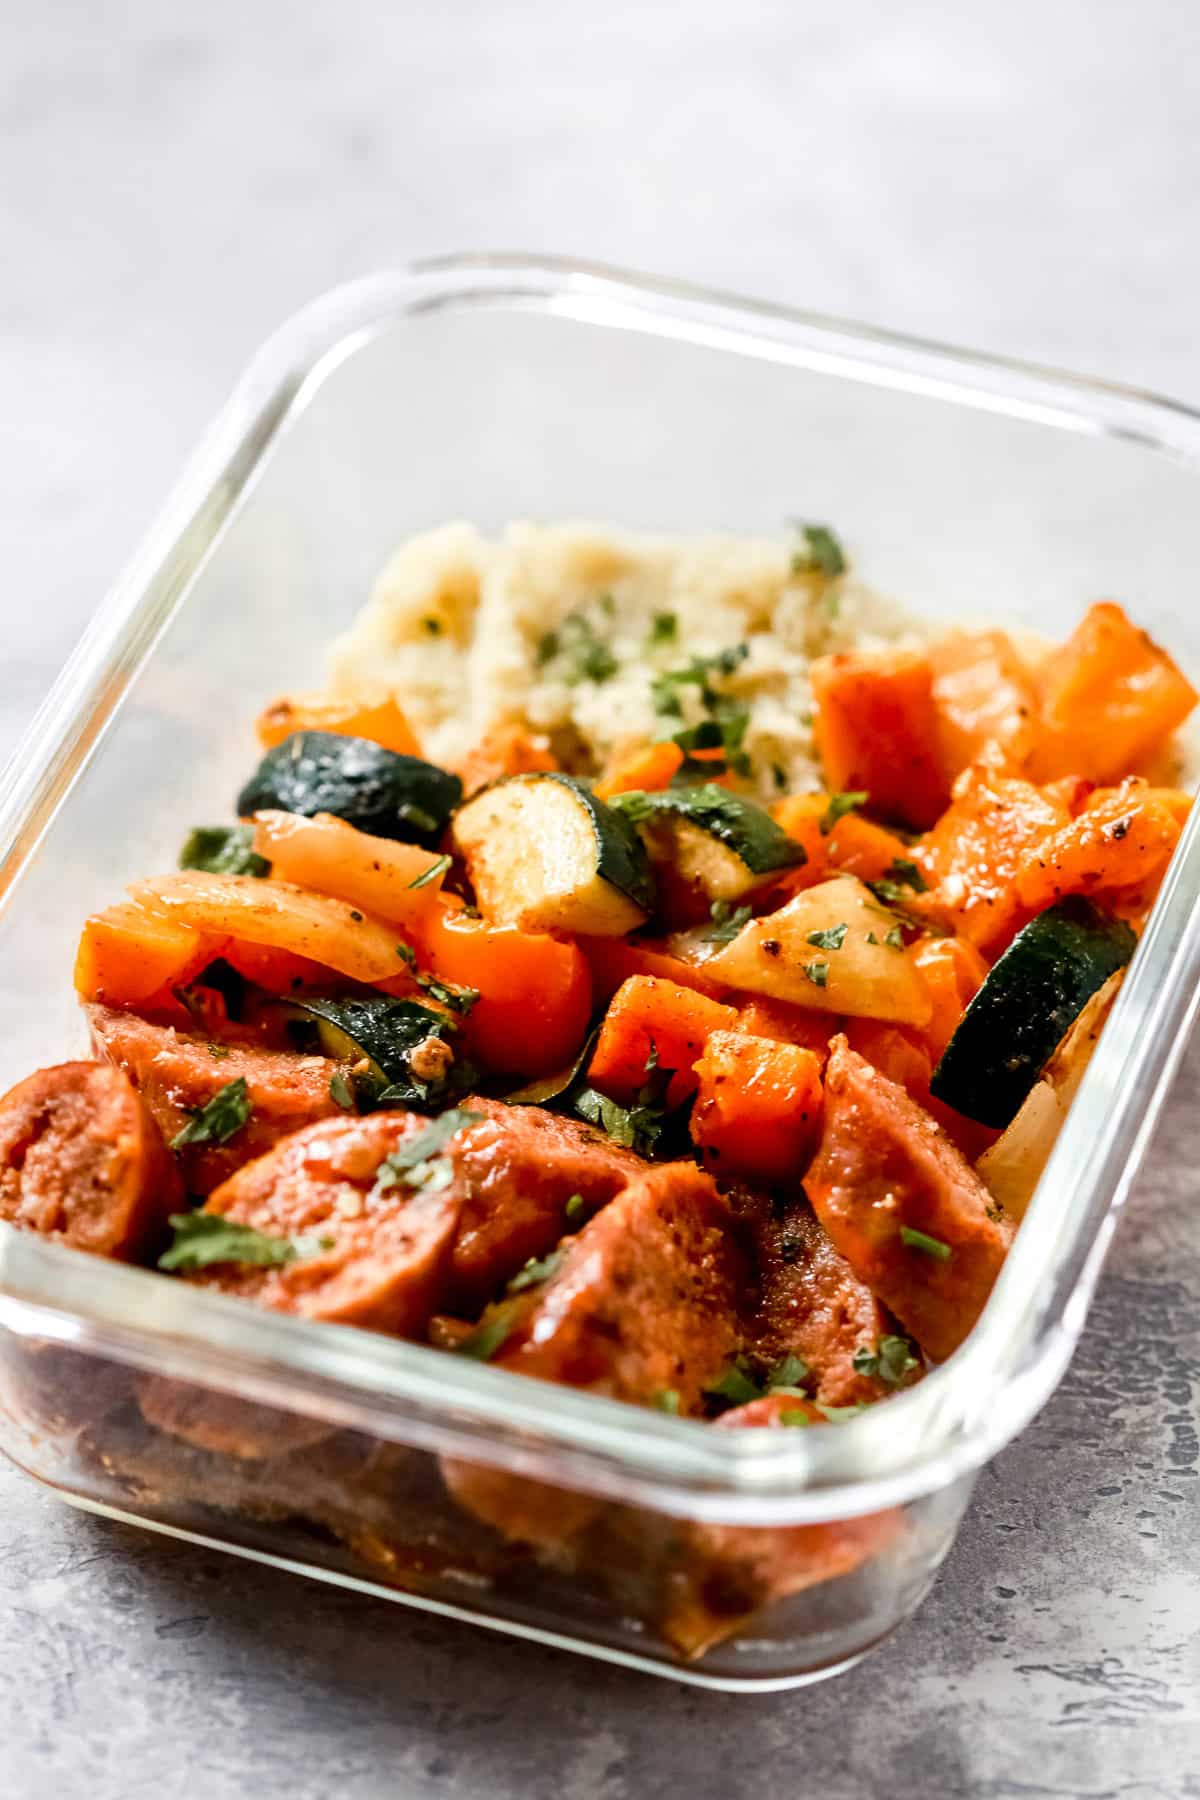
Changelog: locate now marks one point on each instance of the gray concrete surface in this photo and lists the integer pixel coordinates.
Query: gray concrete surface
(171, 184)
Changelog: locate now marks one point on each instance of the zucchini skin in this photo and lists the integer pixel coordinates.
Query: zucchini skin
(1026, 1006)
(621, 858)
(379, 791)
(747, 830)
(383, 1030)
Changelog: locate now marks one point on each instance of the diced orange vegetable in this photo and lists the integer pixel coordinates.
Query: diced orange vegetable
(328, 855)
(877, 730)
(1071, 792)
(614, 960)
(1110, 698)
(787, 1024)
(274, 913)
(128, 956)
(375, 716)
(1123, 838)
(535, 992)
(505, 750)
(983, 695)
(646, 771)
(758, 1106)
(853, 844)
(970, 859)
(647, 1013)
(953, 971)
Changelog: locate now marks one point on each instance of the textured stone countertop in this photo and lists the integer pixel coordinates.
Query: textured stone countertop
(171, 185)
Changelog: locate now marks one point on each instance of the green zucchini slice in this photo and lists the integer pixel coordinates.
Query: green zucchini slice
(377, 790)
(395, 1038)
(1026, 1006)
(544, 854)
(716, 840)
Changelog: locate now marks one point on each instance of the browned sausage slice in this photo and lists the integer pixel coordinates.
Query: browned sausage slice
(226, 1424)
(177, 1073)
(370, 1258)
(82, 1160)
(885, 1171)
(811, 1304)
(515, 1175)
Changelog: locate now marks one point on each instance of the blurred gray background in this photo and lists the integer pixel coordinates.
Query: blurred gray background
(175, 181)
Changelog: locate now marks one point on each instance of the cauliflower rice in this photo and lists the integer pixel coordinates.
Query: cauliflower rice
(562, 628)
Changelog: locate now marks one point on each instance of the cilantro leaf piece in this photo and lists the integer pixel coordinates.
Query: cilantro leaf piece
(202, 1238)
(895, 938)
(891, 1360)
(496, 1325)
(822, 551)
(221, 1119)
(928, 1246)
(414, 1161)
(831, 939)
(817, 972)
(727, 921)
(223, 850)
(578, 649)
(534, 1272)
(839, 806)
(667, 1400)
(666, 689)
(634, 1127)
(735, 1384)
(439, 866)
(787, 1374)
(905, 874)
(664, 629)
(458, 999)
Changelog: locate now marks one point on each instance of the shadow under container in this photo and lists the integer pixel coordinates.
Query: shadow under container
(497, 388)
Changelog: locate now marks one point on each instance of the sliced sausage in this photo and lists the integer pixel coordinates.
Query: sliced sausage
(884, 1168)
(82, 1160)
(810, 1302)
(369, 1258)
(177, 1073)
(515, 1175)
(225, 1423)
(641, 1305)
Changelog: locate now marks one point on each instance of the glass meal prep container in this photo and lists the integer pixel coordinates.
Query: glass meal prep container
(494, 388)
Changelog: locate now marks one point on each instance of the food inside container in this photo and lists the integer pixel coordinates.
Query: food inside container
(656, 967)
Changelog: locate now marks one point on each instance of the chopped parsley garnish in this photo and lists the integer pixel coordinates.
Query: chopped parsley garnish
(574, 1206)
(458, 999)
(414, 1162)
(735, 1384)
(487, 1337)
(578, 649)
(895, 938)
(839, 806)
(439, 866)
(831, 939)
(871, 938)
(665, 689)
(891, 1360)
(822, 551)
(928, 1246)
(905, 873)
(202, 1238)
(640, 1126)
(223, 850)
(535, 1271)
(408, 954)
(341, 1091)
(787, 1374)
(664, 629)
(220, 1120)
(218, 1052)
(667, 1400)
(817, 972)
(727, 921)
(724, 719)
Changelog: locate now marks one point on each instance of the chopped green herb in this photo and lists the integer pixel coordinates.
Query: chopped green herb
(831, 939)
(727, 921)
(413, 1162)
(928, 1246)
(439, 866)
(779, 776)
(817, 972)
(838, 1414)
(341, 1091)
(223, 850)
(839, 806)
(905, 873)
(574, 1206)
(995, 1213)
(202, 1238)
(822, 551)
(735, 1384)
(218, 1052)
(895, 938)
(535, 1272)
(418, 818)
(664, 629)
(787, 1374)
(871, 938)
(636, 1128)
(220, 1120)
(487, 1337)
(458, 999)
(891, 1360)
(580, 650)
(793, 1416)
(665, 689)
(408, 954)
(667, 1400)
(432, 626)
